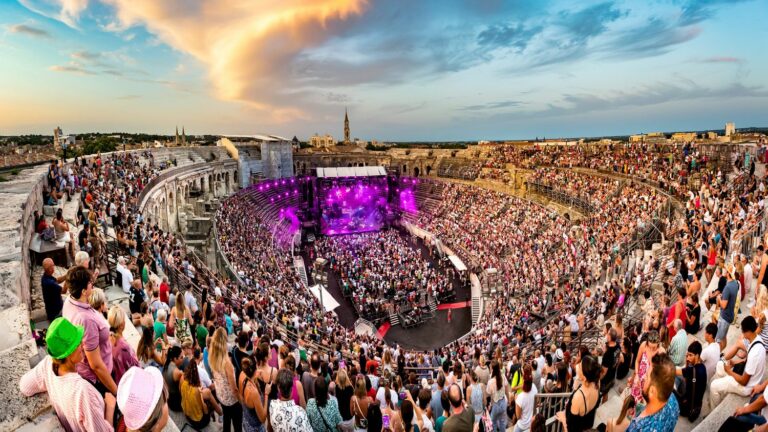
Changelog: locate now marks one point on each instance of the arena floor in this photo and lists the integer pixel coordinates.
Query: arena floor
(433, 334)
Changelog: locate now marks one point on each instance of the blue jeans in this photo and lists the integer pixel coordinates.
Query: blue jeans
(499, 415)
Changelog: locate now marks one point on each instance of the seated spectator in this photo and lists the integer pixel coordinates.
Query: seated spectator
(196, 401)
(662, 411)
(620, 423)
(579, 414)
(711, 354)
(691, 383)
(753, 416)
(123, 356)
(125, 275)
(678, 344)
(52, 291)
(146, 351)
(77, 403)
(141, 397)
(728, 380)
(172, 375)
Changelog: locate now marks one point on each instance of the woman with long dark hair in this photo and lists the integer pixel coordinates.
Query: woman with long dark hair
(172, 375)
(580, 410)
(323, 413)
(254, 404)
(496, 390)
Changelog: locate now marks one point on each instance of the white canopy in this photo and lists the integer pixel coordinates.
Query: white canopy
(329, 303)
(457, 262)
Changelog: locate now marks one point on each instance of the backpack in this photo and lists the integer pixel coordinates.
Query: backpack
(690, 407)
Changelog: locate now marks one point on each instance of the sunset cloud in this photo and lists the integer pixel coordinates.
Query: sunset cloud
(246, 47)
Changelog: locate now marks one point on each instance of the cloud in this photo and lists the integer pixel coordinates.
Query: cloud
(696, 11)
(128, 97)
(71, 68)
(493, 106)
(654, 38)
(515, 36)
(246, 46)
(85, 55)
(66, 11)
(588, 22)
(721, 60)
(29, 31)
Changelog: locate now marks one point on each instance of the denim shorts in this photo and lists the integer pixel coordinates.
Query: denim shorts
(722, 329)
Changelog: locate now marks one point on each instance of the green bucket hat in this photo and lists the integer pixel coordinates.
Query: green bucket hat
(63, 338)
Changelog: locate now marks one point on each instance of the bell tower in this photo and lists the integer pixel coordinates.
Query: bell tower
(346, 127)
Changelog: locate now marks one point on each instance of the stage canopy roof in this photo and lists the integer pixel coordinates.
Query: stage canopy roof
(366, 171)
(457, 262)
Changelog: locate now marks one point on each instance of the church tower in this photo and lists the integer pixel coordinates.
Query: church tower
(176, 142)
(183, 137)
(346, 127)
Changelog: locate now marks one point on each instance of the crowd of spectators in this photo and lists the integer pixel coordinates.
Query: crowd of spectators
(383, 273)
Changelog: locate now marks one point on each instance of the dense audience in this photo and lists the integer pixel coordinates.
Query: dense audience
(256, 353)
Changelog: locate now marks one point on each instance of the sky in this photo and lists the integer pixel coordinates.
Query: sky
(426, 70)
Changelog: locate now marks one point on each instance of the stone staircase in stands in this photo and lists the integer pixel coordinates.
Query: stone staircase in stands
(394, 319)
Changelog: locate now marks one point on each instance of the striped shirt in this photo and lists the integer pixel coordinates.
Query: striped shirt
(77, 403)
(677, 348)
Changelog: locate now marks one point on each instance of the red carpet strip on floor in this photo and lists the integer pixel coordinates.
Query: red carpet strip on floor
(458, 305)
(384, 329)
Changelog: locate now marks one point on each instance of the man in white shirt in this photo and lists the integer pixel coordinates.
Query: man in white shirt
(728, 381)
(711, 354)
(126, 275)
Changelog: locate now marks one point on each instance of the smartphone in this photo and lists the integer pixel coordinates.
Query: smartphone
(403, 396)
(385, 422)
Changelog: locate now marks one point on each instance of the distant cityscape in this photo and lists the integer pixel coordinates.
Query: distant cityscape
(22, 150)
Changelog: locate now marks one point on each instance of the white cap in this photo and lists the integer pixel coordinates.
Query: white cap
(137, 395)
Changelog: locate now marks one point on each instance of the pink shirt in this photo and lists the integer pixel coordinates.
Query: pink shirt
(124, 358)
(96, 335)
(77, 403)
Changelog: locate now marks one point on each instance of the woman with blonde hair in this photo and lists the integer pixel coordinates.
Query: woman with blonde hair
(98, 300)
(123, 356)
(344, 392)
(181, 321)
(224, 379)
(359, 404)
(760, 312)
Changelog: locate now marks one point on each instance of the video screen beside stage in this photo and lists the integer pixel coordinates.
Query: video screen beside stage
(353, 205)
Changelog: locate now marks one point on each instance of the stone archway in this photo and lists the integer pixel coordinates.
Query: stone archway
(405, 170)
(416, 171)
(429, 169)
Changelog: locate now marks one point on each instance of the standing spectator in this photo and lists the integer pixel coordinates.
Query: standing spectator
(475, 395)
(52, 291)
(359, 403)
(462, 417)
(136, 296)
(344, 392)
(172, 375)
(497, 392)
(125, 275)
(96, 367)
(727, 380)
(284, 414)
(727, 303)
(579, 414)
(78, 405)
(123, 356)
(254, 404)
(662, 411)
(224, 380)
(611, 360)
(323, 413)
(181, 321)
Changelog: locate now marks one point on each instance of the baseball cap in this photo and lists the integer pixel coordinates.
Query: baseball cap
(137, 395)
(63, 338)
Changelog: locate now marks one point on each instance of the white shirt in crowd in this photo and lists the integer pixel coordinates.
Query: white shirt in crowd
(709, 357)
(526, 401)
(755, 366)
(127, 277)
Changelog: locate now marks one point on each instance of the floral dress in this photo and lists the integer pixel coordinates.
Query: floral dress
(637, 384)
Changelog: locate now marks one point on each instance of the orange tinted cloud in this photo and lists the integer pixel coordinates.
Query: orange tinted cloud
(248, 47)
